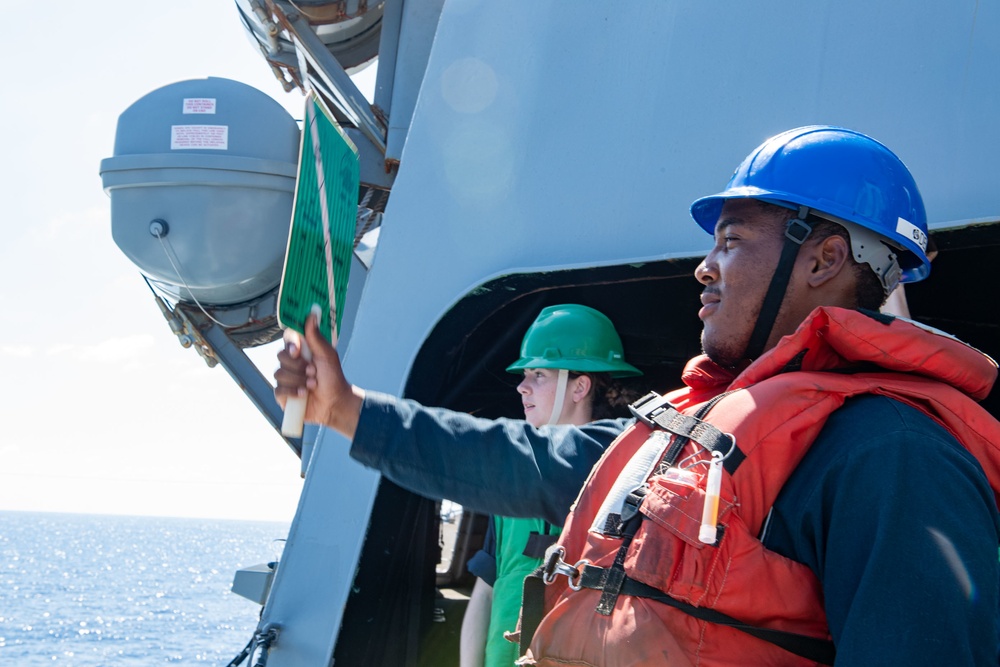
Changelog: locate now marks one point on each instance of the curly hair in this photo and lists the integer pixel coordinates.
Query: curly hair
(611, 398)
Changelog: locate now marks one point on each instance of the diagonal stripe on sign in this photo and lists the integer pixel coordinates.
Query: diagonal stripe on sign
(321, 236)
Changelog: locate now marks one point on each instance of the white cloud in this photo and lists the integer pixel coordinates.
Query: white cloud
(116, 350)
(17, 351)
(70, 226)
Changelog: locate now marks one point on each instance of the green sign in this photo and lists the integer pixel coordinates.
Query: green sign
(324, 215)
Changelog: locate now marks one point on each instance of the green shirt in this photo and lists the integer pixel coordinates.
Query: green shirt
(513, 566)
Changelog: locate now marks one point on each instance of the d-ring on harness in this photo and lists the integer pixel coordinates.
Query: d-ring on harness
(555, 565)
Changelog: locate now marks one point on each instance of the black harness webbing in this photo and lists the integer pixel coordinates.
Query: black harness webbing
(532, 607)
(810, 648)
(539, 543)
(655, 411)
(615, 575)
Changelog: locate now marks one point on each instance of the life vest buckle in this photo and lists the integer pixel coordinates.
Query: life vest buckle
(648, 407)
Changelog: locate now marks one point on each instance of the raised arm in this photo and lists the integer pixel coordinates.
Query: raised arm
(502, 466)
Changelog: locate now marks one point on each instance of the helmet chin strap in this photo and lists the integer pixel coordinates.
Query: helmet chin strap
(796, 232)
(557, 404)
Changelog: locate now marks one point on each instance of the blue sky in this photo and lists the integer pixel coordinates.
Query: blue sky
(102, 411)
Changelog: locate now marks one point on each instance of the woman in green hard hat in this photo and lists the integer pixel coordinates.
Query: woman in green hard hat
(571, 358)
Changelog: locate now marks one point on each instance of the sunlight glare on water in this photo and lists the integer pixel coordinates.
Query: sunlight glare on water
(88, 590)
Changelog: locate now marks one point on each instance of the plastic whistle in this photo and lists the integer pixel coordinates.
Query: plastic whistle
(708, 533)
(294, 418)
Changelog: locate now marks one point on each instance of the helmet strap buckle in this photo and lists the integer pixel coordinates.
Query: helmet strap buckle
(798, 230)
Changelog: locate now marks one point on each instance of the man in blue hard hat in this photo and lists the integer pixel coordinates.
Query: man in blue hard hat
(824, 487)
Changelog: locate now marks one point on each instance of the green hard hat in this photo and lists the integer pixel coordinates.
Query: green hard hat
(576, 338)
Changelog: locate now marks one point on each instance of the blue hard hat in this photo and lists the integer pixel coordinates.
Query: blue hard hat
(840, 174)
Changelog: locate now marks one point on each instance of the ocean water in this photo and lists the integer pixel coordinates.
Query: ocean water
(89, 590)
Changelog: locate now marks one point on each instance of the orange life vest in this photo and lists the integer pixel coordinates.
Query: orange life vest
(928, 370)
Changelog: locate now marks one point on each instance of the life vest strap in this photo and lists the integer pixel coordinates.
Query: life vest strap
(630, 520)
(811, 648)
(538, 544)
(656, 411)
(532, 607)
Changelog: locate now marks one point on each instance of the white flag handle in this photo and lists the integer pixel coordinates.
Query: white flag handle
(295, 407)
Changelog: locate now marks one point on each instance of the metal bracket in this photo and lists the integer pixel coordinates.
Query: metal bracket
(346, 95)
(240, 368)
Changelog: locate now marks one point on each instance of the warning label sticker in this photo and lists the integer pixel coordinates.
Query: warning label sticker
(199, 105)
(214, 137)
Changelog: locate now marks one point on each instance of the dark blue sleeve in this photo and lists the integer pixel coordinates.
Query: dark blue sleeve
(503, 466)
(484, 563)
(900, 525)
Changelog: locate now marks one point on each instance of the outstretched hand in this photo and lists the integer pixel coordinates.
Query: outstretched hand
(331, 400)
